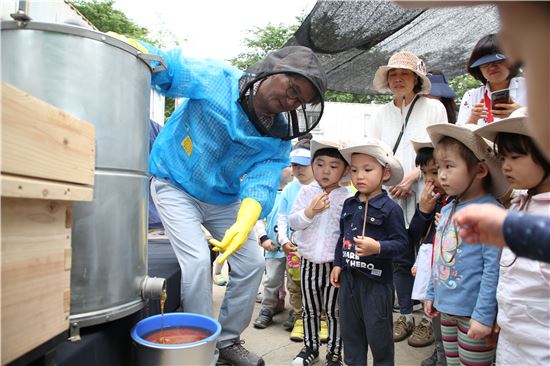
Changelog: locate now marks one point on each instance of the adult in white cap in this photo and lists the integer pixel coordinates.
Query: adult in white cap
(396, 123)
(524, 30)
(489, 65)
(300, 160)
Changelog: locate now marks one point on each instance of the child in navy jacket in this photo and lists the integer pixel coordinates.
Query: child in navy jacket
(421, 235)
(363, 268)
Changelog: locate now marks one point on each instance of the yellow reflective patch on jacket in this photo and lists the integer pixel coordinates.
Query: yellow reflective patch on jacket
(187, 145)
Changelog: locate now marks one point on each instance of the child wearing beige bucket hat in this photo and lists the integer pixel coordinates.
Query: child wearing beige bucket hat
(523, 283)
(464, 277)
(406, 117)
(373, 232)
(315, 218)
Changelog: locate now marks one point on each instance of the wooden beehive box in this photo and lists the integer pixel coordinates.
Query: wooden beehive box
(47, 161)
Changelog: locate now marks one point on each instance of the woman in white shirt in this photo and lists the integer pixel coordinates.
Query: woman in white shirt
(488, 65)
(405, 77)
(396, 123)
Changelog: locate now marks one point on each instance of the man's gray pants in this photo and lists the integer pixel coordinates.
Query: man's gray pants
(182, 216)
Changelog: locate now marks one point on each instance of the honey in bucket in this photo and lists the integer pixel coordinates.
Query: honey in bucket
(177, 335)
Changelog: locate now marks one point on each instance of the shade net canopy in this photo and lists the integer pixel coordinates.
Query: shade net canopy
(353, 38)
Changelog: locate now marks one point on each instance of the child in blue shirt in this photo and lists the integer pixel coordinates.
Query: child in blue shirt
(300, 160)
(275, 260)
(464, 277)
(363, 269)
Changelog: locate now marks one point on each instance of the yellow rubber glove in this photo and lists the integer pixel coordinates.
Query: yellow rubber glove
(130, 41)
(237, 234)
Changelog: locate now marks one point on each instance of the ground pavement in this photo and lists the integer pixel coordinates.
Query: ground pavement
(274, 345)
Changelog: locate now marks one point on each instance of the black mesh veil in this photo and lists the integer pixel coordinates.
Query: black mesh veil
(294, 60)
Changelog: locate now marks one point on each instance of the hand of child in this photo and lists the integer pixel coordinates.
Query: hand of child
(335, 276)
(436, 218)
(365, 246)
(318, 205)
(479, 111)
(413, 270)
(427, 198)
(268, 245)
(492, 340)
(429, 310)
(478, 330)
(289, 247)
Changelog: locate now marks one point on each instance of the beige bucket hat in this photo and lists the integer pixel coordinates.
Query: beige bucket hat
(338, 145)
(402, 60)
(381, 152)
(478, 145)
(420, 144)
(516, 123)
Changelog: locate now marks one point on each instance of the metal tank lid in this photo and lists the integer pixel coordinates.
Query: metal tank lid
(85, 33)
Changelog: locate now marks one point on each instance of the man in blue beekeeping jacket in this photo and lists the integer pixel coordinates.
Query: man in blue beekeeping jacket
(217, 163)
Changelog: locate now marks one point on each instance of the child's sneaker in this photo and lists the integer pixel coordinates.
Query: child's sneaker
(297, 334)
(323, 333)
(289, 322)
(306, 357)
(264, 319)
(333, 359)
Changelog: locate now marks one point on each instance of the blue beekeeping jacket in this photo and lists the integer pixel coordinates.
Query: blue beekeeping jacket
(208, 144)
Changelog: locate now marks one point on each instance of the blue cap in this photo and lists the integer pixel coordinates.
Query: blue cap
(440, 88)
(300, 156)
(487, 59)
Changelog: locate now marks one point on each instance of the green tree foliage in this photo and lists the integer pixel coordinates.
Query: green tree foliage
(343, 97)
(462, 83)
(102, 14)
(261, 41)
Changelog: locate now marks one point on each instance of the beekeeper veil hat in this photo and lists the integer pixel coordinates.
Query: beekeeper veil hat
(295, 60)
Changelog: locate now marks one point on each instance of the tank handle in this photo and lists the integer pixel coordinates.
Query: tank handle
(21, 15)
(149, 58)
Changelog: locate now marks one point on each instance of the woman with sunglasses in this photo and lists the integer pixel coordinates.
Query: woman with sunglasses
(489, 65)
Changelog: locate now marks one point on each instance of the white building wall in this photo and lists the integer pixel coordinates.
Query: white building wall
(345, 121)
(156, 112)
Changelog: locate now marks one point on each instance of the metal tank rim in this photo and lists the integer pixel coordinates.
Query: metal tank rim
(85, 33)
